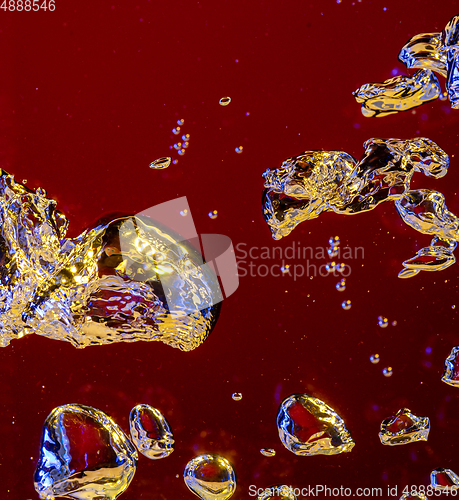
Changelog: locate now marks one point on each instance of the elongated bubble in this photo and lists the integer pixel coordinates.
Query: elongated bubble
(444, 479)
(307, 426)
(150, 432)
(210, 477)
(83, 455)
(306, 185)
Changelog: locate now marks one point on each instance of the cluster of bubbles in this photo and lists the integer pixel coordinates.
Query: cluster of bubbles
(180, 147)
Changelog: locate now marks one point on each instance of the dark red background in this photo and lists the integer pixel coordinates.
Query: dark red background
(89, 96)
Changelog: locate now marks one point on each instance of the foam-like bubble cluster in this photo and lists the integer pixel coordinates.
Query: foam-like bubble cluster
(114, 282)
(313, 182)
(428, 52)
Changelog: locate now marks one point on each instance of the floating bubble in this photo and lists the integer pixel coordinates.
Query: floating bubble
(186, 137)
(104, 286)
(175, 161)
(282, 492)
(210, 477)
(318, 181)
(185, 144)
(404, 428)
(394, 323)
(181, 152)
(444, 479)
(341, 285)
(180, 122)
(237, 396)
(239, 149)
(24, 181)
(341, 267)
(285, 269)
(346, 305)
(387, 372)
(413, 496)
(177, 145)
(176, 130)
(268, 452)
(184, 212)
(334, 241)
(330, 266)
(451, 373)
(83, 455)
(333, 252)
(224, 101)
(307, 426)
(161, 163)
(213, 214)
(374, 358)
(382, 321)
(150, 432)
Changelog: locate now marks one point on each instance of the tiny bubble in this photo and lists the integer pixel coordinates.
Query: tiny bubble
(331, 266)
(341, 285)
(346, 305)
(394, 323)
(239, 149)
(213, 214)
(184, 212)
(181, 152)
(374, 358)
(224, 101)
(180, 122)
(387, 372)
(382, 321)
(185, 137)
(237, 396)
(268, 452)
(285, 269)
(176, 130)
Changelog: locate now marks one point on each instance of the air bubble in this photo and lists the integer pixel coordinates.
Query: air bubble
(161, 163)
(237, 396)
(185, 137)
(285, 269)
(374, 358)
(224, 101)
(176, 131)
(387, 372)
(333, 252)
(341, 267)
(346, 305)
(177, 145)
(180, 122)
(334, 241)
(181, 152)
(341, 285)
(239, 149)
(331, 266)
(185, 144)
(213, 214)
(382, 321)
(268, 452)
(184, 212)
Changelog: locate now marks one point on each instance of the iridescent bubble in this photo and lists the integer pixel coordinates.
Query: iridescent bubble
(308, 426)
(237, 396)
(394, 323)
(239, 149)
(176, 130)
(180, 122)
(161, 163)
(331, 266)
(151, 432)
(341, 267)
(185, 144)
(346, 305)
(341, 285)
(83, 455)
(24, 181)
(285, 269)
(213, 214)
(382, 321)
(387, 372)
(224, 101)
(184, 212)
(181, 152)
(374, 358)
(210, 477)
(185, 137)
(281, 492)
(177, 145)
(268, 452)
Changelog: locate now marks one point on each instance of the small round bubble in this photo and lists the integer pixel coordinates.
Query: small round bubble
(184, 212)
(224, 101)
(346, 305)
(332, 252)
(176, 130)
(185, 137)
(160, 163)
(387, 372)
(334, 241)
(394, 323)
(24, 181)
(185, 144)
(374, 358)
(330, 267)
(181, 152)
(237, 396)
(341, 285)
(181, 121)
(175, 161)
(177, 145)
(213, 214)
(341, 267)
(285, 269)
(239, 149)
(268, 452)
(382, 321)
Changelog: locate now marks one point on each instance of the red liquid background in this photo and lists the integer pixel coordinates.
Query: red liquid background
(89, 96)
